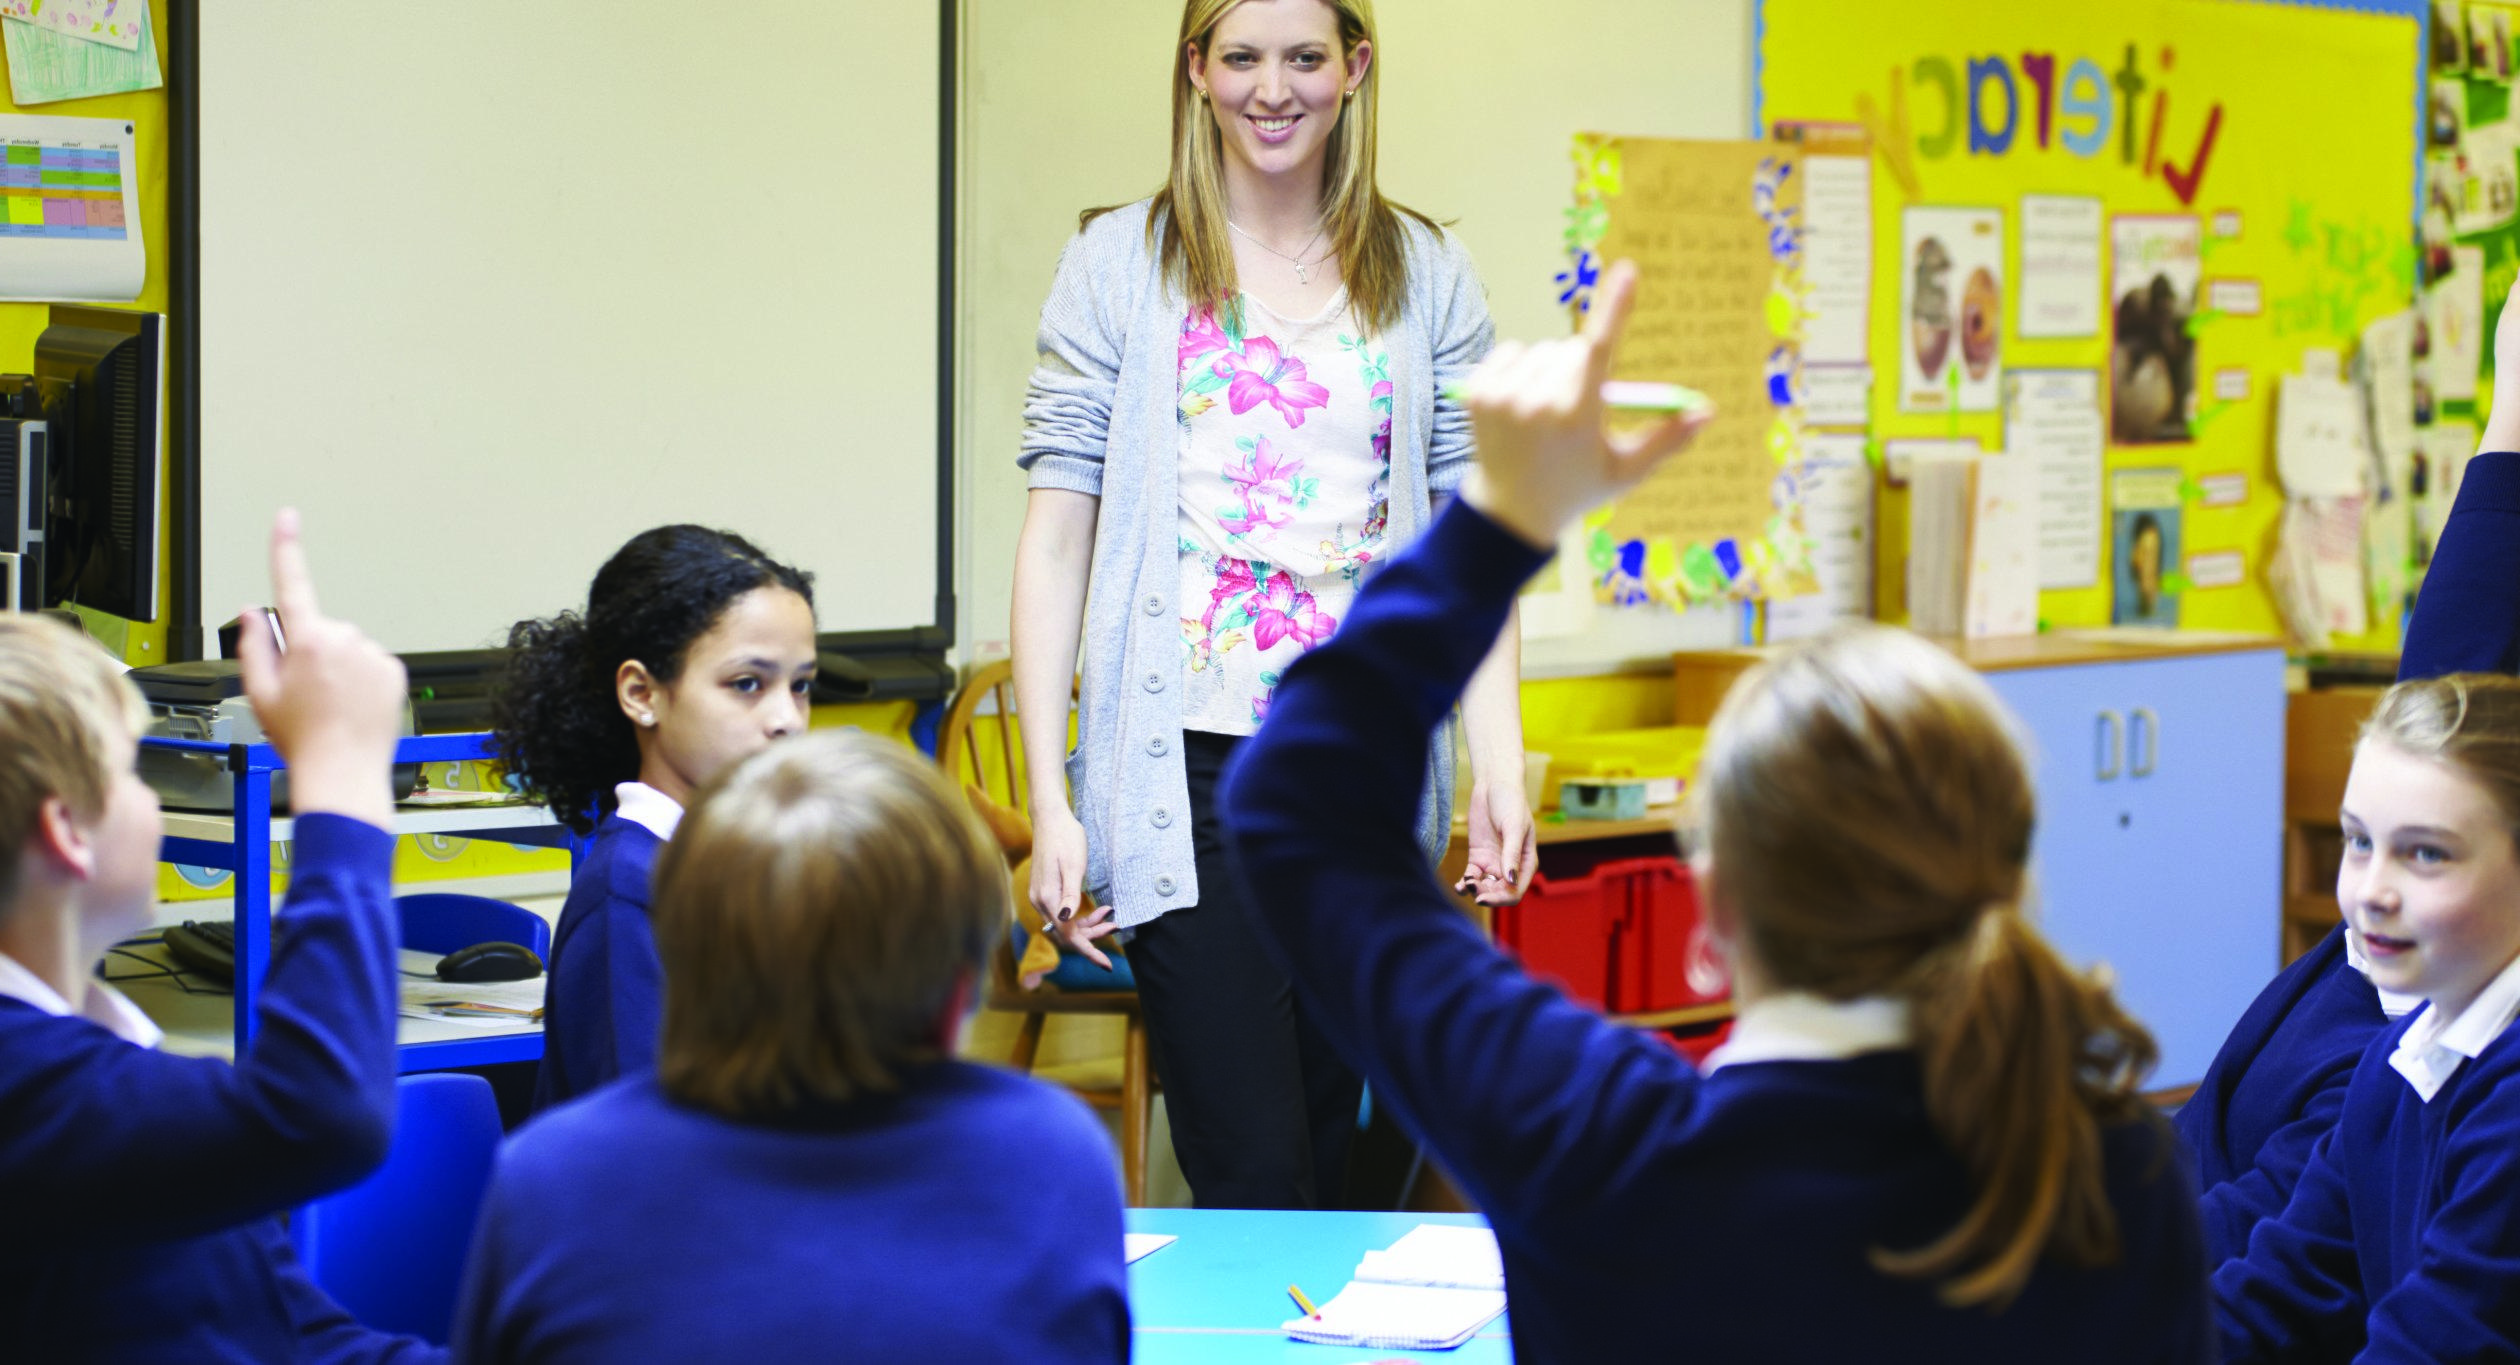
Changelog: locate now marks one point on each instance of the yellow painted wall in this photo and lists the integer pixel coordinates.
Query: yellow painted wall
(2313, 118)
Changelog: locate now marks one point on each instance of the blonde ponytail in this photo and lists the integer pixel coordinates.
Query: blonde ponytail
(2023, 1059)
(1868, 812)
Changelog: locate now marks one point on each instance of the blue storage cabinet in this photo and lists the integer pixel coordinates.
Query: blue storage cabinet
(2160, 773)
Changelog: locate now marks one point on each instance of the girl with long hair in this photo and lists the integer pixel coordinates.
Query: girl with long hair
(694, 650)
(1924, 1140)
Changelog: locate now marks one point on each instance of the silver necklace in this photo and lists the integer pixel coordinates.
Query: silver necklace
(1303, 270)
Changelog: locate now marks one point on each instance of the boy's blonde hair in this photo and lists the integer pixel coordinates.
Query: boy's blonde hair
(1868, 814)
(63, 700)
(813, 914)
(2469, 722)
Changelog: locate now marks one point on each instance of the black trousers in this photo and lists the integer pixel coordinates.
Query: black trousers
(1262, 1108)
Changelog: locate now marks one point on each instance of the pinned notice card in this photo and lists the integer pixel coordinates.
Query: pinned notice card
(70, 224)
(2052, 419)
(2060, 266)
(2319, 445)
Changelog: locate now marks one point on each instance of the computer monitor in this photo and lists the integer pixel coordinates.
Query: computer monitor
(24, 459)
(96, 375)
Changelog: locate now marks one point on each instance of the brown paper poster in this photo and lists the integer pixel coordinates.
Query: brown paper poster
(1714, 228)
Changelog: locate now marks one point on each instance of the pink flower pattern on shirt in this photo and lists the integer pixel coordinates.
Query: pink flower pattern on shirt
(1258, 374)
(1268, 488)
(1257, 563)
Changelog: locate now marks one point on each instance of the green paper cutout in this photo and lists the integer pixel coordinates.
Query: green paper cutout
(2197, 323)
(1699, 573)
(2176, 583)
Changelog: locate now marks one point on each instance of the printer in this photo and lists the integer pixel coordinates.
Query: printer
(205, 700)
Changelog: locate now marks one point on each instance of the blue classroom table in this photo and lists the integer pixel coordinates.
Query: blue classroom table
(1219, 1294)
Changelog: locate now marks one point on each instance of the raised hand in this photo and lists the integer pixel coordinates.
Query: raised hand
(333, 703)
(1544, 456)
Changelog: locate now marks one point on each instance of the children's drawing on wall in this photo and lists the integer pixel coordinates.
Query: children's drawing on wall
(2146, 503)
(2444, 111)
(2489, 43)
(2449, 37)
(2152, 361)
(1952, 280)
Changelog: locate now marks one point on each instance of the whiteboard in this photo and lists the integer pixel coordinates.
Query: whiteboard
(487, 289)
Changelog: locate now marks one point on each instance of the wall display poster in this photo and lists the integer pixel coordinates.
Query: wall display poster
(2052, 420)
(2154, 268)
(2145, 503)
(2061, 237)
(1952, 299)
(1714, 230)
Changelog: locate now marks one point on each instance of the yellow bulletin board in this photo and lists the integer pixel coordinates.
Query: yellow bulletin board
(2285, 135)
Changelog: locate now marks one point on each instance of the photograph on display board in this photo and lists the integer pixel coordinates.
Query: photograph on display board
(2489, 42)
(2146, 544)
(2449, 37)
(1952, 287)
(2444, 106)
(2152, 356)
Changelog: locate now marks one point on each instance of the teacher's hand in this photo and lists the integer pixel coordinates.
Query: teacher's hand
(1058, 885)
(1504, 845)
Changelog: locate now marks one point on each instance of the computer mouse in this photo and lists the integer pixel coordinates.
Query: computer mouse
(490, 962)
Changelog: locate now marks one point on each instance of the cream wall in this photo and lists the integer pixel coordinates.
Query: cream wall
(1065, 105)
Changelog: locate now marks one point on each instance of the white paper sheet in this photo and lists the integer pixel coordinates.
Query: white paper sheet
(2052, 419)
(1438, 1254)
(426, 997)
(1836, 395)
(2060, 266)
(1837, 259)
(2004, 549)
(2319, 449)
(2385, 366)
(1140, 1245)
(2454, 310)
(1837, 507)
(78, 235)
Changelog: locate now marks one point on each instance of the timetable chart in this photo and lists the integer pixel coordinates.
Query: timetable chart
(70, 191)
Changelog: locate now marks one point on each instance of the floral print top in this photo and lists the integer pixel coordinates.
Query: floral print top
(1285, 494)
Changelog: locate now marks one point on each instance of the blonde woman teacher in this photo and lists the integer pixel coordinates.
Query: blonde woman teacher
(1236, 417)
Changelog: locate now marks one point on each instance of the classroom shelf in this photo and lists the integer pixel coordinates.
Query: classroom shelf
(241, 843)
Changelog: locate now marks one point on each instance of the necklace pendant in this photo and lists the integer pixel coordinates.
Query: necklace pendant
(1302, 276)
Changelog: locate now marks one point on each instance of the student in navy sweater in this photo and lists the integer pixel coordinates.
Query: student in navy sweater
(2278, 1083)
(808, 1174)
(141, 1188)
(2402, 1239)
(695, 649)
(1924, 1140)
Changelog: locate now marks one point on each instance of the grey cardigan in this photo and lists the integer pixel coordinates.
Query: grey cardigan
(1102, 418)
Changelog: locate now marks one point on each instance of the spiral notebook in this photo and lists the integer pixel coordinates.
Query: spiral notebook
(1430, 1291)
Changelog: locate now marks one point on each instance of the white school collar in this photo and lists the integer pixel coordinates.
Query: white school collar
(2431, 1049)
(107, 1008)
(2395, 1004)
(648, 808)
(1797, 1026)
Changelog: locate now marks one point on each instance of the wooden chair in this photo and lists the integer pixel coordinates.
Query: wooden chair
(966, 759)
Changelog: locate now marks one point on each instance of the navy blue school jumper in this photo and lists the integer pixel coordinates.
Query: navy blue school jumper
(2403, 1237)
(606, 998)
(2278, 1082)
(1645, 1213)
(2275, 1088)
(972, 1216)
(140, 1187)
(2467, 616)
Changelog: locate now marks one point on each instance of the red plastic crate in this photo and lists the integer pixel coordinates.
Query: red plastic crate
(1564, 928)
(1666, 958)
